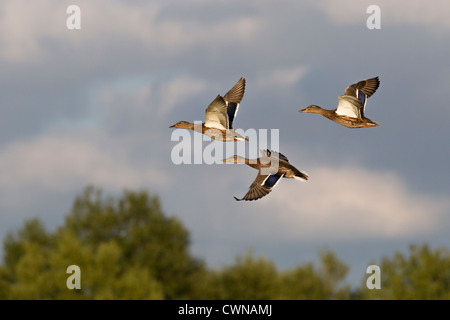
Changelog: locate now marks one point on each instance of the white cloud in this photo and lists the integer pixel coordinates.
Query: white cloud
(25, 26)
(282, 77)
(24, 23)
(61, 164)
(175, 91)
(346, 203)
(132, 105)
(414, 12)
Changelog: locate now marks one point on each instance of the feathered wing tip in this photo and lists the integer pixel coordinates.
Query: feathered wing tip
(236, 93)
(370, 86)
(233, 98)
(256, 190)
(245, 199)
(367, 86)
(251, 197)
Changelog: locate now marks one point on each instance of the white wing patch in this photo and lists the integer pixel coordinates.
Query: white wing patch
(349, 106)
(216, 114)
(214, 122)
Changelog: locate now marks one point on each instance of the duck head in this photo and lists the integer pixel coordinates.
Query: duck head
(183, 125)
(312, 109)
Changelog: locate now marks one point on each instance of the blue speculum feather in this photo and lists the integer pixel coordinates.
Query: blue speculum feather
(362, 97)
(272, 180)
(231, 110)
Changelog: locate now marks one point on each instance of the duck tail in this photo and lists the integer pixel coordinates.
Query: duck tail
(371, 124)
(303, 176)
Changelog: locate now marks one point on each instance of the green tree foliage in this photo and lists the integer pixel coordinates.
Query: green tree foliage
(424, 275)
(125, 248)
(248, 278)
(257, 278)
(307, 282)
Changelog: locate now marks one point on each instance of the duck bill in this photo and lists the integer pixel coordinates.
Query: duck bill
(303, 110)
(172, 126)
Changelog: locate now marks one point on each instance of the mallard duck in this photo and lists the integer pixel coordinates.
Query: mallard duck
(219, 116)
(271, 166)
(351, 106)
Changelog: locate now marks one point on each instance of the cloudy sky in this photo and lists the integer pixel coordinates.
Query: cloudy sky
(94, 106)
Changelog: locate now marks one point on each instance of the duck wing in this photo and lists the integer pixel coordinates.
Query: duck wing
(278, 155)
(349, 106)
(216, 114)
(261, 186)
(362, 90)
(233, 99)
(269, 153)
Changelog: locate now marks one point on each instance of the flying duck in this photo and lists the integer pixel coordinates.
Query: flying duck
(219, 116)
(351, 105)
(271, 166)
